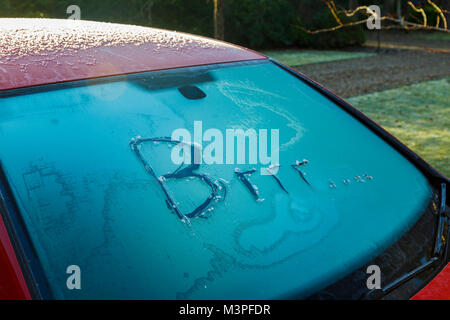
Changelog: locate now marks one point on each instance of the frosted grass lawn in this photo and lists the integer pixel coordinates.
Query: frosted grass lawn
(299, 57)
(438, 36)
(418, 115)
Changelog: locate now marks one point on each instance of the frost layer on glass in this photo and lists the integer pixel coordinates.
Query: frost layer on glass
(87, 200)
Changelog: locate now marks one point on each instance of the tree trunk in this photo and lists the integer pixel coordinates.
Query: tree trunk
(150, 4)
(351, 4)
(399, 9)
(146, 11)
(219, 31)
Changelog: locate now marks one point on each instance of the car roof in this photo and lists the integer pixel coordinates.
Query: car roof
(46, 51)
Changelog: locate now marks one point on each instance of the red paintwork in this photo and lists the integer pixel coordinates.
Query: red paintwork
(12, 282)
(438, 288)
(62, 63)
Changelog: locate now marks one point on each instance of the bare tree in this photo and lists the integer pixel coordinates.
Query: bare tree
(219, 30)
(400, 22)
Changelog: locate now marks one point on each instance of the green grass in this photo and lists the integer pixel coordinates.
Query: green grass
(439, 36)
(299, 57)
(418, 115)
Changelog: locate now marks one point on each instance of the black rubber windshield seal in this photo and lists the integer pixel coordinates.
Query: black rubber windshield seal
(26, 254)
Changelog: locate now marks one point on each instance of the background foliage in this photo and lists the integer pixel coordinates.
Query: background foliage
(253, 23)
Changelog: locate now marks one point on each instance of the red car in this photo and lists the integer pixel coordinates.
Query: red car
(92, 207)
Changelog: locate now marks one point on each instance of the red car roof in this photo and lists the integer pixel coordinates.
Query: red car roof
(44, 51)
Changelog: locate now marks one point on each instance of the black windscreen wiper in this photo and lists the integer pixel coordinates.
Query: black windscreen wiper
(439, 243)
(439, 252)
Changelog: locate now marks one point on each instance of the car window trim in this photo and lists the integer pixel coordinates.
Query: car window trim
(24, 249)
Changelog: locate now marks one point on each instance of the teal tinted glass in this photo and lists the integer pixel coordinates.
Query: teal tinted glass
(88, 200)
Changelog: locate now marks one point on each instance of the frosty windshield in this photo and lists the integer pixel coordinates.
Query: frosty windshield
(92, 169)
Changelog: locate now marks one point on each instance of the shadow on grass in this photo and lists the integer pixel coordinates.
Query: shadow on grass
(301, 57)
